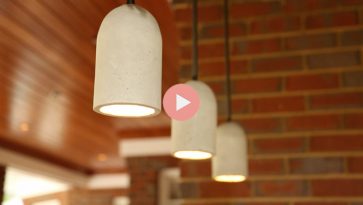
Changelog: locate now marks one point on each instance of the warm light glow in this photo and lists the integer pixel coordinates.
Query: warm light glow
(195, 155)
(101, 157)
(13, 201)
(230, 178)
(127, 110)
(24, 127)
(23, 184)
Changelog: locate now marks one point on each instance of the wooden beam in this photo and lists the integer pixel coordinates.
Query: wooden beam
(144, 133)
(16, 160)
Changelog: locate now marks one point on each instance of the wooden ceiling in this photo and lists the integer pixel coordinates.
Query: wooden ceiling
(47, 53)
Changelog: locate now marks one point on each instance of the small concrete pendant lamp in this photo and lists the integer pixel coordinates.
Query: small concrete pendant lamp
(230, 164)
(195, 138)
(128, 63)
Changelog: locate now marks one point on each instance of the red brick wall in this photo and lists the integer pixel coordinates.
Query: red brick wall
(144, 173)
(298, 92)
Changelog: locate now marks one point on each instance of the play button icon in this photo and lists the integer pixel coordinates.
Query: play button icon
(181, 102)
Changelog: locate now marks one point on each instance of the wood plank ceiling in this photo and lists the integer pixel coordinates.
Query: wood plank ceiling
(47, 53)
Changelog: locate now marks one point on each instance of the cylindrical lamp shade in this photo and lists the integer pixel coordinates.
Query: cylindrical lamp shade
(230, 164)
(195, 138)
(128, 64)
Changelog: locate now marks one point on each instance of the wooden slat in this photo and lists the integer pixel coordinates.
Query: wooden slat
(47, 59)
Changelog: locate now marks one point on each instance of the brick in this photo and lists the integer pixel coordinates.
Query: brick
(337, 187)
(313, 122)
(308, 5)
(324, 165)
(191, 168)
(278, 104)
(213, 189)
(185, 33)
(256, 46)
(207, 13)
(202, 168)
(333, 101)
(185, 71)
(188, 190)
(218, 68)
(266, 166)
(353, 79)
(336, 143)
(261, 125)
(281, 188)
(275, 24)
(186, 52)
(183, 15)
(353, 121)
(279, 145)
(215, 68)
(251, 9)
(221, 107)
(355, 164)
(217, 30)
(238, 66)
(345, 18)
(289, 63)
(217, 87)
(312, 82)
(255, 85)
(328, 60)
(209, 50)
(349, 38)
(240, 106)
(310, 41)
(144, 174)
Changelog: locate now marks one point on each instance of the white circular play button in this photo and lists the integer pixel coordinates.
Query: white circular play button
(181, 102)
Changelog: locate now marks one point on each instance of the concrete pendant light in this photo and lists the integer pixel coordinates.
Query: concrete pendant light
(128, 63)
(230, 164)
(195, 138)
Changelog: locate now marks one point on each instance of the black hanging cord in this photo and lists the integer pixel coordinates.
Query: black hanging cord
(227, 60)
(195, 66)
(130, 1)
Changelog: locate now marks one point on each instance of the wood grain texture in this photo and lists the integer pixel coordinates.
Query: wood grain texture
(47, 54)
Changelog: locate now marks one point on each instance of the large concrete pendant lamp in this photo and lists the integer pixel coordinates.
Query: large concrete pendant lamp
(128, 63)
(195, 138)
(230, 164)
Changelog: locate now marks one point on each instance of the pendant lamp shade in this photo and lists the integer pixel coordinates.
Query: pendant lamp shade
(195, 137)
(230, 164)
(128, 64)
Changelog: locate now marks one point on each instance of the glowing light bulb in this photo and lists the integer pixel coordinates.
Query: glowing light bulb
(195, 155)
(127, 110)
(230, 178)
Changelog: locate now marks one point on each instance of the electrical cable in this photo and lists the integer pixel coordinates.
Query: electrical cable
(227, 60)
(195, 66)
